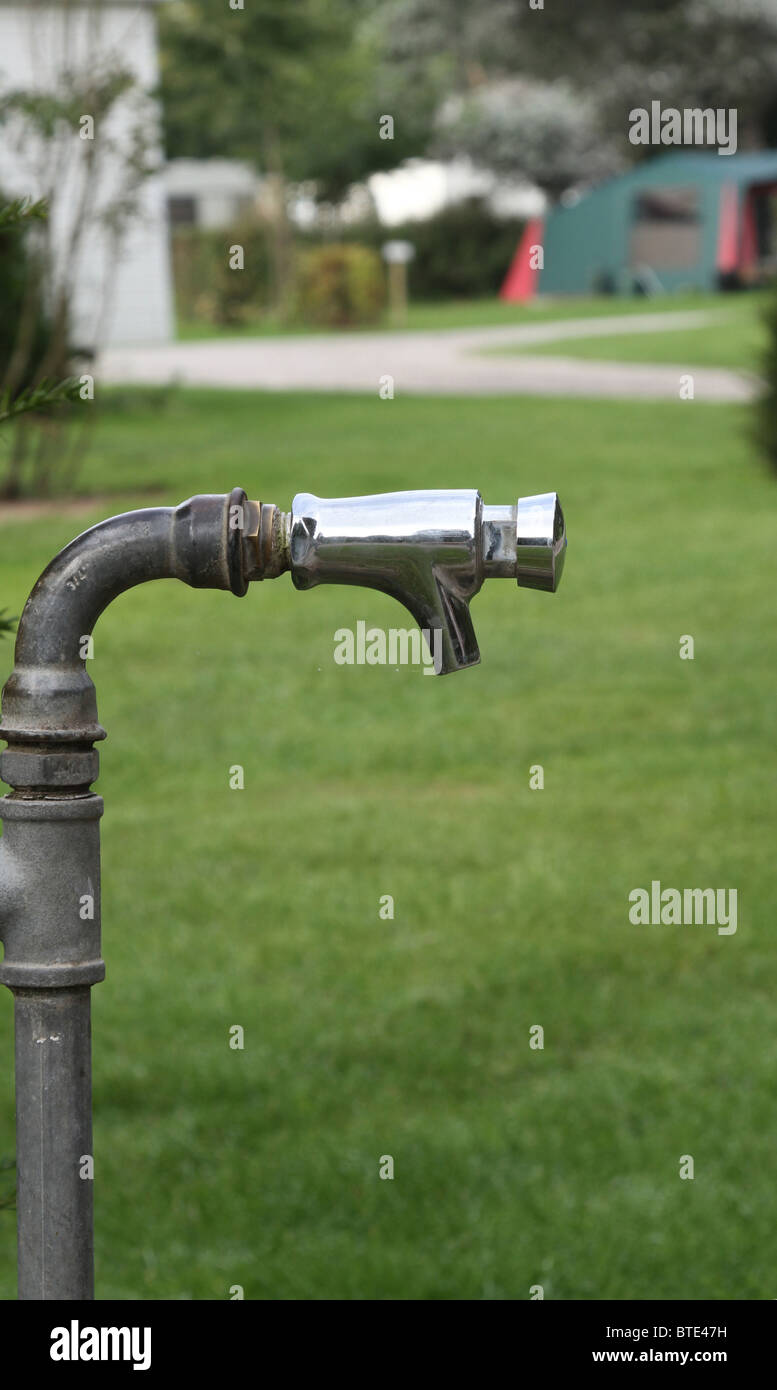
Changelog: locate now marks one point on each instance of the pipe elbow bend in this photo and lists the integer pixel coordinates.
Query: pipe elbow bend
(49, 698)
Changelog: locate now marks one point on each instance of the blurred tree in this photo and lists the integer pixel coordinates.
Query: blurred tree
(718, 53)
(296, 88)
(300, 85)
(545, 132)
(602, 59)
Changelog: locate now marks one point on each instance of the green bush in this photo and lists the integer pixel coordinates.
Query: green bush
(22, 324)
(463, 252)
(766, 409)
(35, 394)
(206, 287)
(340, 286)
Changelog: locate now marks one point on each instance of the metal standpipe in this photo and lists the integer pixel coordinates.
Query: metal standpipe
(430, 550)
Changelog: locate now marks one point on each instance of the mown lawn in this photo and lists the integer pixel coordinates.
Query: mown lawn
(735, 336)
(478, 313)
(410, 1038)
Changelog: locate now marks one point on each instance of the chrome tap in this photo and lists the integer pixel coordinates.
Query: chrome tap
(430, 550)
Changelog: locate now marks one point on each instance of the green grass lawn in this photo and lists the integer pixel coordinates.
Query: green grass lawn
(410, 1037)
(477, 313)
(735, 337)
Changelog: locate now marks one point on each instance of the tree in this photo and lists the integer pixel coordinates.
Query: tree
(709, 53)
(299, 86)
(604, 56)
(297, 89)
(546, 132)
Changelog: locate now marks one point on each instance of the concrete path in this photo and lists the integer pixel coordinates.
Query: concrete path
(446, 362)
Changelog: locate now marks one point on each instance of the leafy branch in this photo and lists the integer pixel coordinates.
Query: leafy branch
(23, 210)
(38, 398)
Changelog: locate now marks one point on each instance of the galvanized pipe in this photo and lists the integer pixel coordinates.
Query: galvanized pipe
(430, 550)
(51, 852)
(54, 1142)
(50, 860)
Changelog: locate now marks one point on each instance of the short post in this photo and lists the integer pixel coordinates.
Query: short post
(397, 255)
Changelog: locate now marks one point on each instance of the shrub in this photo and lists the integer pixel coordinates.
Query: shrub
(463, 251)
(766, 409)
(23, 328)
(34, 404)
(206, 287)
(340, 286)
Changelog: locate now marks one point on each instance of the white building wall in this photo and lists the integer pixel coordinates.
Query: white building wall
(124, 294)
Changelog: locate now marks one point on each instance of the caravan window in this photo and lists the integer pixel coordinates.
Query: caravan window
(666, 230)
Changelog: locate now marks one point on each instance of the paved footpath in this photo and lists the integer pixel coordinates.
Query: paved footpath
(446, 362)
